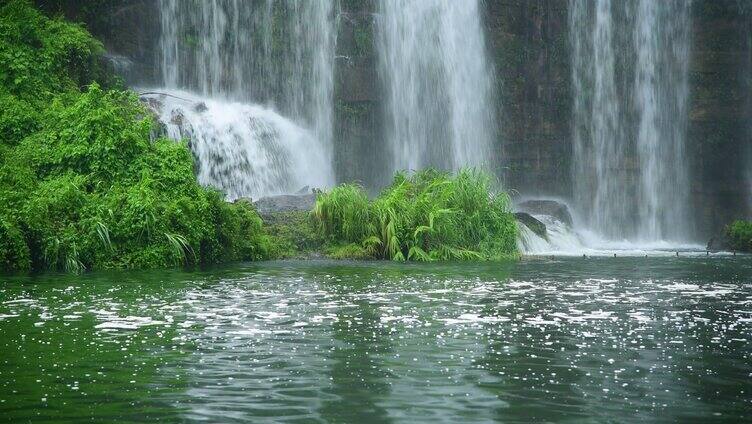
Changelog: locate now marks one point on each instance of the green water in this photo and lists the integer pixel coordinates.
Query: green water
(569, 340)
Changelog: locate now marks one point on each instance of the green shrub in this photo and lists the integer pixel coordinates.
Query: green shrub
(81, 181)
(294, 233)
(344, 213)
(14, 253)
(106, 196)
(349, 251)
(740, 235)
(428, 216)
(43, 57)
(18, 119)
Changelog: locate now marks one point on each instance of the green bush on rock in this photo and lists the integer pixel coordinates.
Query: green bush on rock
(740, 235)
(82, 184)
(427, 216)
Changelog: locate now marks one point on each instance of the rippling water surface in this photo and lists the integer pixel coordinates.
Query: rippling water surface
(570, 340)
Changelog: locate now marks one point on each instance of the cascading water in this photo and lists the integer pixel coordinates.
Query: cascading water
(661, 87)
(242, 148)
(238, 53)
(630, 66)
(599, 149)
(439, 105)
(564, 240)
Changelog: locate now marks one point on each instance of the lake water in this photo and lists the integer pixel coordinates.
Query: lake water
(542, 340)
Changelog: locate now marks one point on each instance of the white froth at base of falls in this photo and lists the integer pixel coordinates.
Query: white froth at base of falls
(245, 150)
(564, 240)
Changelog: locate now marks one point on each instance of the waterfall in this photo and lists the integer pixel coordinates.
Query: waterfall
(599, 148)
(243, 149)
(438, 83)
(661, 87)
(630, 69)
(279, 54)
(745, 10)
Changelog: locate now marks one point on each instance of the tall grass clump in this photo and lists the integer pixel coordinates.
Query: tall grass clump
(427, 216)
(344, 212)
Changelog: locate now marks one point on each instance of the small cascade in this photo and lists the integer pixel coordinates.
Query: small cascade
(244, 150)
(530, 243)
(562, 239)
(440, 103)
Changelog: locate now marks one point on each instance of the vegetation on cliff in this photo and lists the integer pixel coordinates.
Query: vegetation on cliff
(82, 184)
(739, 234)
(426, 216)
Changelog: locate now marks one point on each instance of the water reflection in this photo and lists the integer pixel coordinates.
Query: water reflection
(574, 340)
(357, 372)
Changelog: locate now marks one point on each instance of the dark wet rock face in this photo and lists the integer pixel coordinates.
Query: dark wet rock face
(532, 223)
(553, 208)
(720, 242)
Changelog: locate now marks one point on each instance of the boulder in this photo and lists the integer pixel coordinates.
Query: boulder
(553, 208)
(533, 224)
(285, 203)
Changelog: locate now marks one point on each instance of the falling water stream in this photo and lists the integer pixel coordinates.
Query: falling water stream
(439, 104)
(630, 68)
(745, 7)
(244, 149)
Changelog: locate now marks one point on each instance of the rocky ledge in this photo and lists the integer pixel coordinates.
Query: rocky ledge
(552, 208)
(271, 205)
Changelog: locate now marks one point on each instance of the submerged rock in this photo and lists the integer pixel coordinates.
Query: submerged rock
(553, 208)
(532, 223)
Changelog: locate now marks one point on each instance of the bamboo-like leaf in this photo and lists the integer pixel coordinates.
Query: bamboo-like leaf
(104, 235)
(180, 246)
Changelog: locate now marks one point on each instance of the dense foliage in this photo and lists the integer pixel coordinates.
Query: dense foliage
(82, 184)
(294, 234)
(740, 235)
(430, 215)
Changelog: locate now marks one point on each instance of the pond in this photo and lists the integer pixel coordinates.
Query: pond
(660, 339)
